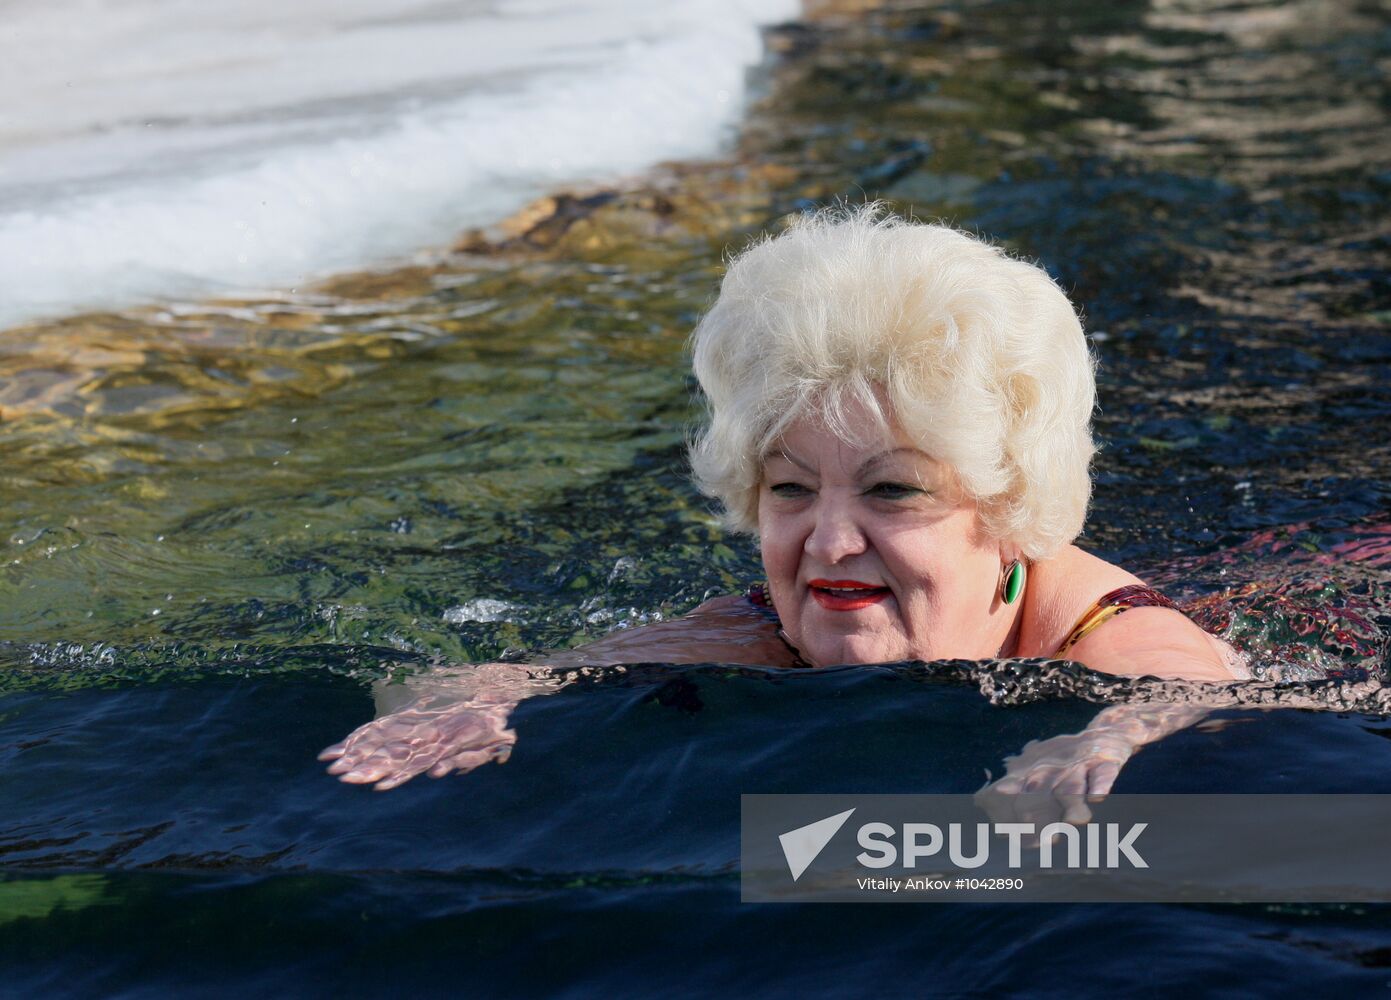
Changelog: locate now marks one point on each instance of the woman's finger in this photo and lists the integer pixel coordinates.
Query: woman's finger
(342, 765)
(1101, 778)
(388, 771)
(1041, 778)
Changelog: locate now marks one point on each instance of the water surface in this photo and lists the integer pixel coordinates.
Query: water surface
(224, 521)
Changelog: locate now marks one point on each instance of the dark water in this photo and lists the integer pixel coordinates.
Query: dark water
(223, 521)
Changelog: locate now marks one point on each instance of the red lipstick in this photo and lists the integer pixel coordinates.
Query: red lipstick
(846, 595)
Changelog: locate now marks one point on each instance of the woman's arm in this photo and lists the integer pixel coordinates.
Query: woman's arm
(722, 630)
(454, 720)
(1053, 780)
(447, 721)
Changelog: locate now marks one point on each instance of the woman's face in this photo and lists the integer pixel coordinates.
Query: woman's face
(873, 553)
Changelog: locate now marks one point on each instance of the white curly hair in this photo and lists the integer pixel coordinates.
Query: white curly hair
(979, 357)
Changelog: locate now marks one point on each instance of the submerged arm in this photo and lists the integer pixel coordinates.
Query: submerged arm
(451, 720)
(454, 720)
(1055, 778)
(722, 630)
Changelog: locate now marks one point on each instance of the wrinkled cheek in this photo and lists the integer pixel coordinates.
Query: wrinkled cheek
(781, 586)
(917, 630)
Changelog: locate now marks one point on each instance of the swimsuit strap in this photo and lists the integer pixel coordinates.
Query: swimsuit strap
(1106, 607)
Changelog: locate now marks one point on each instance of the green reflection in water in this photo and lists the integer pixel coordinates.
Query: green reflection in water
(37, 898)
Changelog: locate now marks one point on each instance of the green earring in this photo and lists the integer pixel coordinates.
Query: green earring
(1012, 581)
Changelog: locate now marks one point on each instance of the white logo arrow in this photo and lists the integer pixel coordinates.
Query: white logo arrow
(801, 846)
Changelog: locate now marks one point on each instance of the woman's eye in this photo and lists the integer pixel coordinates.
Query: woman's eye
(893, 491)
(788, 490)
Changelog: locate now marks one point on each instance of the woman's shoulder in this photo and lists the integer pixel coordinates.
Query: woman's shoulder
(1063, 589)
(1077, 615)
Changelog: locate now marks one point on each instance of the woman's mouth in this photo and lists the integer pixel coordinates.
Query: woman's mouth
(846, 595)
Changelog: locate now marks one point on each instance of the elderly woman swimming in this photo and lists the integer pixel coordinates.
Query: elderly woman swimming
(900, 414)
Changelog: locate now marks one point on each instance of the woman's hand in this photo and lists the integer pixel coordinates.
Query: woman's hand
(1054, 780)
(420, 739)
(457, 722)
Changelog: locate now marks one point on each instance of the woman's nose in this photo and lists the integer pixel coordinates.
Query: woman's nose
(835, 534)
